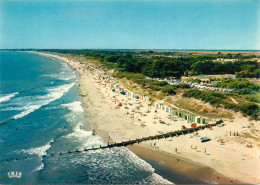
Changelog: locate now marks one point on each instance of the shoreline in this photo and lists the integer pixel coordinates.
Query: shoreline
(97, 107)
(193, 173)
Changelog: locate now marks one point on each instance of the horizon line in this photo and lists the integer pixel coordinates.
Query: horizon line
(131, 49)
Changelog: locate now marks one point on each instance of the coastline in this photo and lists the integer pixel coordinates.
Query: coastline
(114, 126)
(184, 170)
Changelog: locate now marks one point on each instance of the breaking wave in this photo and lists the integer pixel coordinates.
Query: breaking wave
(40, 151)
(37, 102)
(74, 106)
(7, 97)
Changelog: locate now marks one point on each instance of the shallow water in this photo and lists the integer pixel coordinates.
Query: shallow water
(41, 115)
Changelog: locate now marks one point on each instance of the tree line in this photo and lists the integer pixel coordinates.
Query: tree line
(159, 65)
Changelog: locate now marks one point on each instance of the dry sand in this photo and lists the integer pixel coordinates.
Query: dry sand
(227, 162)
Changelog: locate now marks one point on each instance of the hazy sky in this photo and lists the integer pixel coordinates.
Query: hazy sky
(126, 24)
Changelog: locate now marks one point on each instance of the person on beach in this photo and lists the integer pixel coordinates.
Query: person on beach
(176, 150)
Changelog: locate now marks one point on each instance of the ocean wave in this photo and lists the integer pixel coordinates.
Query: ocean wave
(74, 106)
(37, 102)
(40, 151)
(13, 108)
(112, 165)
(39, 168)
(29, 110)
(84, 138)
(70, 117)
(79, 132)
(142, 165)
(62, 75)
(154, 178)
(7, 97)
(209, 181)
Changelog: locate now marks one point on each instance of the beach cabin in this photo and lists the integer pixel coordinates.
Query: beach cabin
(160, 106)
(175, 112)
(200, 120)
(191, 118)
(197, 119)
(181, 114)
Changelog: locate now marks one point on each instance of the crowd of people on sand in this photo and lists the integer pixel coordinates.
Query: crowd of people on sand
(108, 83)
(157, 121)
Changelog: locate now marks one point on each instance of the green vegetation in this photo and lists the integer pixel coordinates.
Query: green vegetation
(130, 76)
(155, 87)
(206, 96)
(169, 89)
(218, 99)
(136, 65)
(165, 64)
(253, 98)
(242, 85)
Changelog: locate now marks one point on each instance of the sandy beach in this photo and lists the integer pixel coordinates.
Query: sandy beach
(231, 157)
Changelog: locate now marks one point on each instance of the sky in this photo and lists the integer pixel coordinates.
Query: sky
(130, 24)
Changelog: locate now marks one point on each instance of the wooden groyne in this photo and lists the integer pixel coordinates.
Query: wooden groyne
(161, 136)
(138, 140)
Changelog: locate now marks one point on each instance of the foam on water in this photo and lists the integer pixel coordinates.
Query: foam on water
(85, 138)
(209, 181)
(7, 97)
(144, 166)
(62, 75)
(157, 179)
(39, 101)
(13, 108)
(40, 151)
(39, 168)
(74, 106)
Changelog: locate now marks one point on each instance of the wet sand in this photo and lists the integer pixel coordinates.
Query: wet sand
(179, 170)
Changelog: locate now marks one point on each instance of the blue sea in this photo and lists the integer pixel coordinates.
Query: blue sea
(41, 114)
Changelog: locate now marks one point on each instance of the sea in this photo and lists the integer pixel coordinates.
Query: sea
(41, 115)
